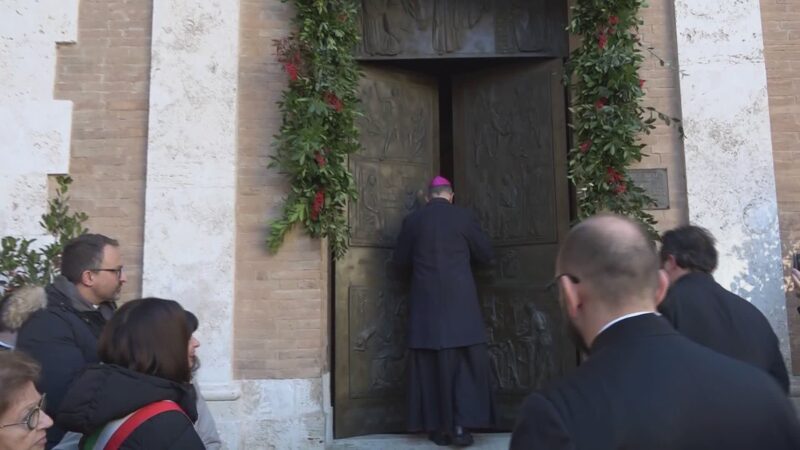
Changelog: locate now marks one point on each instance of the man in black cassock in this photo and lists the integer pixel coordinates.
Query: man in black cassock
(449, 386)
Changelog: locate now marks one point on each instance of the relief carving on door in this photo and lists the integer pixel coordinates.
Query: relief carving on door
(524, 326)
(378, 345)
(515, 201)
(417, 28)
(395, 162)
(400, 141)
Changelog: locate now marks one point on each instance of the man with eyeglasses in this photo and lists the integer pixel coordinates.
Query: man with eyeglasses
(643, 384)
(62, 336)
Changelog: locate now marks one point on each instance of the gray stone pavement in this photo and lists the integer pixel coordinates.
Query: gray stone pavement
(493, 441)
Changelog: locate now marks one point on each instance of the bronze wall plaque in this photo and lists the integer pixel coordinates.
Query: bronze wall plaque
(462, 28)
(654, 182)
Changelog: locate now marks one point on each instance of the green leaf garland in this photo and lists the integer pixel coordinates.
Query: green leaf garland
(608, 118)
(318, 130)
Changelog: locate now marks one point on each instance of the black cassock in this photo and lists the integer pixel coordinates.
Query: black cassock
(449, 381)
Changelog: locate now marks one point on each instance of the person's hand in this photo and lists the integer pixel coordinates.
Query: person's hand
(796, 281)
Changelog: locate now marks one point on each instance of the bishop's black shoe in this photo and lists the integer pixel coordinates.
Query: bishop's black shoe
(439, 438)
(462, 437)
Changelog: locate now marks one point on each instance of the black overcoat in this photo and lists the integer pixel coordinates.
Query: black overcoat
(706, 313)
(644, 386)
(437, 244)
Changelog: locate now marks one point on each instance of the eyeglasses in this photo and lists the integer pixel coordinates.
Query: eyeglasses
(31, 419)
(118, 270)
(552, 284)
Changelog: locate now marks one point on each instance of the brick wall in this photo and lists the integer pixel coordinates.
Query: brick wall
(663, 92)
(781, 25)
(281, 301)
(105, 74)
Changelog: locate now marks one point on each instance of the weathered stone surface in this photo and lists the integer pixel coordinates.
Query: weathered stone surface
(274, 414)
(728, 147)
(190, 215)
(34, 128)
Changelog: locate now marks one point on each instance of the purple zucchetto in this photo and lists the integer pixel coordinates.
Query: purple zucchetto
(439, 181)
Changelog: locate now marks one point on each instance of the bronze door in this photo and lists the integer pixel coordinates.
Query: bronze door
(400, 139)
(510, 168)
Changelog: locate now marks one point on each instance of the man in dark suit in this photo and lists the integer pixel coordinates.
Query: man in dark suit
(643, 385)
(706, 313)
(449, 387)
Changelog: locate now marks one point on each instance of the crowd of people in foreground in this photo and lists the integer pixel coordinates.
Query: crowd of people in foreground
(673, 360)
(109, 377)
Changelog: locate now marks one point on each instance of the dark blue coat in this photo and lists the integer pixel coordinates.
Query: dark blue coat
(438, 243)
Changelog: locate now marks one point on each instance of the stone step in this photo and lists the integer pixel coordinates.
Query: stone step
(491, 441)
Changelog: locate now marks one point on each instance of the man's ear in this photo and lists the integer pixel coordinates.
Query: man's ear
(569, 295)
(663, 285)
(87, 278)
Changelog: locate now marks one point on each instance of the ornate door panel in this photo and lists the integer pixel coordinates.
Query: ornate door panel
(510, 168)
(400, 139)
(462, 28)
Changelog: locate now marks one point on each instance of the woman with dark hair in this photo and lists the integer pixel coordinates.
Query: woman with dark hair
(23, 422)
(141, 397)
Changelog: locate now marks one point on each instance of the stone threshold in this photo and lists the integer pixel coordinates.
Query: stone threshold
(489, 441)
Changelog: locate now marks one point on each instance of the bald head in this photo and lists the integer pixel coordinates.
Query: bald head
(613, 258)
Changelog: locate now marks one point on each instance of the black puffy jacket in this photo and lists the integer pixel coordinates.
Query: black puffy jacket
(62, 338)
(104, 393)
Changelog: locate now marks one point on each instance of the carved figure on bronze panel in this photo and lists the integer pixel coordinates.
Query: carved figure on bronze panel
(379, 36)
(544, 361)
(415, 138)
(530, 24)
(382, 339)
(509, 265)
(388, 362)
(368, 224)
(491, 130)
(451, 19)
(419, 11)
